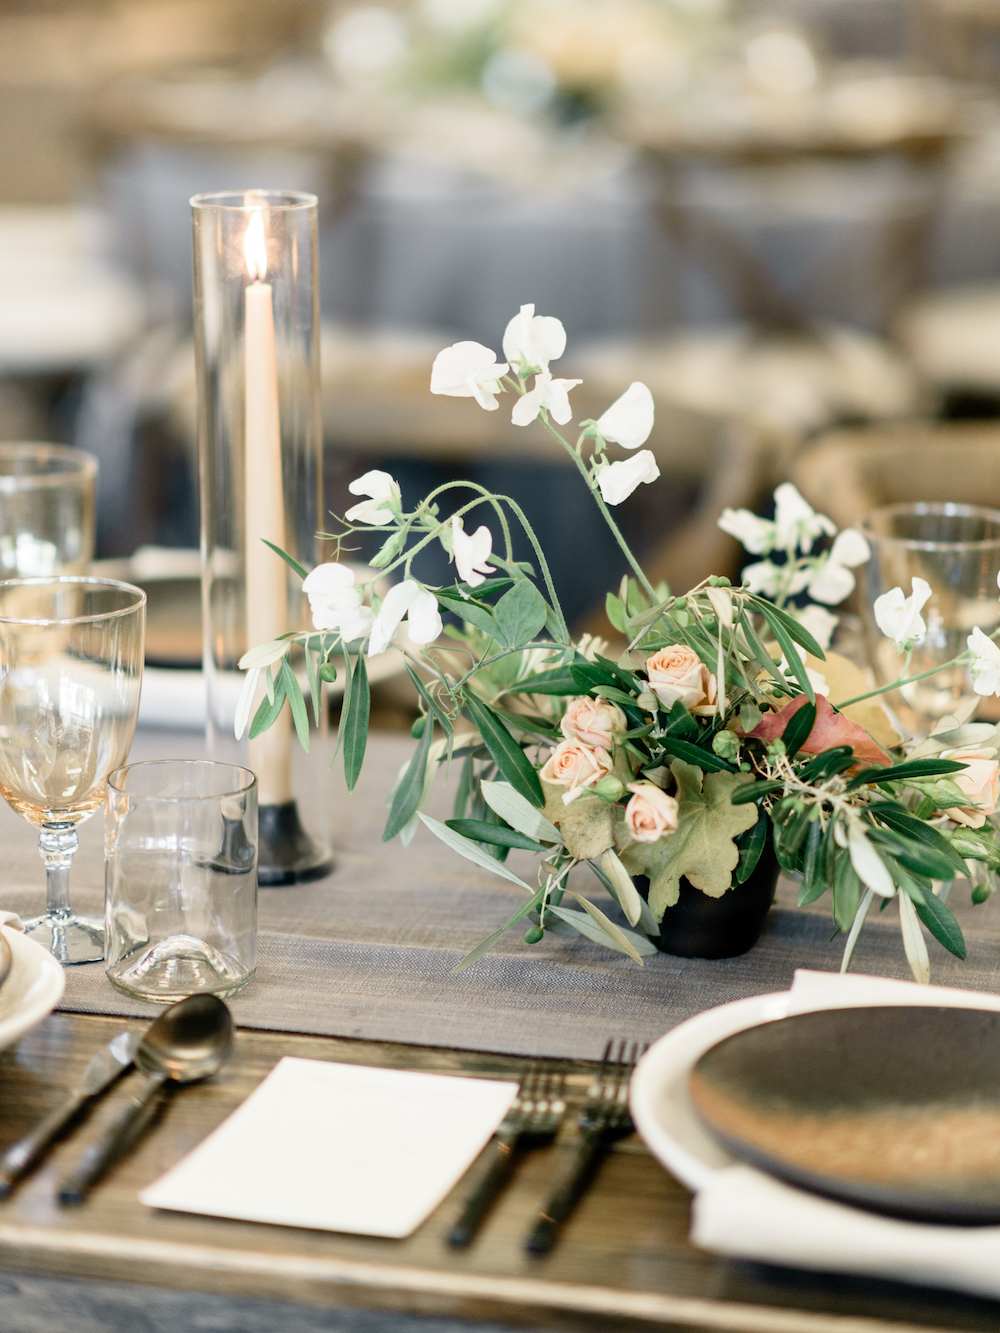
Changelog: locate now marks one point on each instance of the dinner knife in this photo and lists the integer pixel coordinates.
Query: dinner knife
(101, 1072)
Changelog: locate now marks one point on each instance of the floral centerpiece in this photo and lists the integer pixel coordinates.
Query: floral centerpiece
(725, 733)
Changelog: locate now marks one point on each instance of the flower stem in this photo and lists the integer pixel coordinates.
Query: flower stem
(599, 501)
(903, 680)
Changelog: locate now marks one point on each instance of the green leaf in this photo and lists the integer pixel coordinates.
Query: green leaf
(508, 756)
(694, 754)
(528, 722)
(940, 921)
(288, 559)
(614, 933)
(520, 615)
(797, 730)
(796, 630)
(750, 845)
(407, 795)
(795, 663)
(615, 611)
(813, 884)
(312, 671)
(824, 765)
(267, 714)
(584, 924)
(296, 701)
(911, 768)
(479, 830)
(355, 722)
(471, 610)
(518, 812)
(900, 820)
(646, 921)
(764, 658)
(919, 857)
(472, 852)
(422, 690)
(484, 946)
(702, 847)
(753, 791)
(557, 681)
(463, 791)
(846, 893)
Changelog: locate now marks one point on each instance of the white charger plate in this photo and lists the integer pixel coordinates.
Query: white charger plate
(34, 986)
(658, 1092)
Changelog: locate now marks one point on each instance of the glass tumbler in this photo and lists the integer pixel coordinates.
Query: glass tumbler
(955, 549)
(180, 856)
(46, 509)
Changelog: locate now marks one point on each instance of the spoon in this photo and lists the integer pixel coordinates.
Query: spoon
(191, 1040)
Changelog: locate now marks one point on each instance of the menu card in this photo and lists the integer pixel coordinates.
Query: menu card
(339, 1148)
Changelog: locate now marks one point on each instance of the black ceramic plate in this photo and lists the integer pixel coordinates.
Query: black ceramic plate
(892, 1108)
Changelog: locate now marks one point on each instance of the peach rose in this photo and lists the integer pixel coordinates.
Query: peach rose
(679, 673)
(980, 781)
(650, 813)
(594, 721)
(577, 766)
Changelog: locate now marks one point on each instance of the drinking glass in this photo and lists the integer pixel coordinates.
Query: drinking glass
(46, 510)
(71, 652)
(955, 548)
(180, 840)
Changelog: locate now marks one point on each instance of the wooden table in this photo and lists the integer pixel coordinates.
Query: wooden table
(624, 1262)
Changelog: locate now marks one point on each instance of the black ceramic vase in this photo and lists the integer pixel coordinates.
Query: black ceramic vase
(698, 926)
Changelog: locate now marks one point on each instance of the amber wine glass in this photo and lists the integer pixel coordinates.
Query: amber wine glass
(71, 652)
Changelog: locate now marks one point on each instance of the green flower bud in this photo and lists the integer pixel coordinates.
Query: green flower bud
(417, 730)
(328, 672)
(533, 935)
(610, 789)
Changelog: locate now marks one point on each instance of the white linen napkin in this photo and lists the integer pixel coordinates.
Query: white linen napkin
(749, 1215)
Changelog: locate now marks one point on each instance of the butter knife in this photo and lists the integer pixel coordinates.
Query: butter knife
(101, 1072)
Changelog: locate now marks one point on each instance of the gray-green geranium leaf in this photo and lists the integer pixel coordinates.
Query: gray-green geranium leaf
(520, 814)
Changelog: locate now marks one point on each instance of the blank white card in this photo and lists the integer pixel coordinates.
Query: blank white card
(339, 1148)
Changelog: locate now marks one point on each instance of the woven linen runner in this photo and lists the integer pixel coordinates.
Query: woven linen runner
(368, 951)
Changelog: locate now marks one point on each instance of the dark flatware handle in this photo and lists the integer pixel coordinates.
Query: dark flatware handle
(23, 1154)
(115, 1141)
(569, 1185)
(489, 1186)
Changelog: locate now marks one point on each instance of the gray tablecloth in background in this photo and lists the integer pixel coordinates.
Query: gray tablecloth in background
(368, 952)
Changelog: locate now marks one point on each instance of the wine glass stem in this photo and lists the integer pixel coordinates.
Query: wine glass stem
(56, 845)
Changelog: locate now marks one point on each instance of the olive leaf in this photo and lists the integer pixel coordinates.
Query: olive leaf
(702, 847)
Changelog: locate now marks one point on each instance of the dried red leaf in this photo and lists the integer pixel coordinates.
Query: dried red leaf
(830, 729)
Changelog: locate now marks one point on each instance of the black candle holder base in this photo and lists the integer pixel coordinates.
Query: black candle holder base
(286, 854)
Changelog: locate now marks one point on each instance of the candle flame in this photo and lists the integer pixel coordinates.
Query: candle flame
(254, 248)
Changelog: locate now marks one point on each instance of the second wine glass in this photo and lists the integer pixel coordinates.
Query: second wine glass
(71, 654)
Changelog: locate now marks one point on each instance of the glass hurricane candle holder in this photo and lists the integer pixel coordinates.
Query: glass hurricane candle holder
(256, 303)
(955, 549)
(46, 509)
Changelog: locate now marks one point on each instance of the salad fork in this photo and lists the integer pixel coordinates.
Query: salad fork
(605, 1115)
(537, 1112)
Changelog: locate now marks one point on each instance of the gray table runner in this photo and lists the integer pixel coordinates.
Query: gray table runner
(368, 951)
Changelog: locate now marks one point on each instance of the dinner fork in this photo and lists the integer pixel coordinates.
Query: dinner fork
(537, 1112)
(604, 1116)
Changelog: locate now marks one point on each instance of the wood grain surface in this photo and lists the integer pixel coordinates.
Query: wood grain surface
(623, 1263)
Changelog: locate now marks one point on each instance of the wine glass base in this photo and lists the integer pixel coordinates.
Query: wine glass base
(69, 938)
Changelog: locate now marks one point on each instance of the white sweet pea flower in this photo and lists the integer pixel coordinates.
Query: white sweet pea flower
(629, 419)
(768, 579)
(384, 503)
(985, 665)
(419, 606)
(618, 480)
(899, 617)
(335, 603)
(796, 523)
(818, 622)
(471, 552)
(755, 534)
(849, 548)
(534, 340)
(830, 582)
(548, 393)
(468, 370)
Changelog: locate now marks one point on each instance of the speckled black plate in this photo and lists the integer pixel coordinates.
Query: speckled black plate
(892, 1108)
